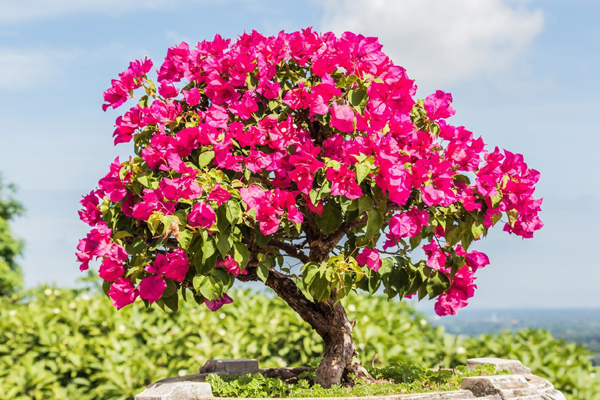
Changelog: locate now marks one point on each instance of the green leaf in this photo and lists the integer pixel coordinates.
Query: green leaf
(261, 239)
(496, 200)
(185, 238)
(362, 170)
(106, 286)
(214, 285)
(374, 223)
(208, 249)
(233, 211)
(263, 270)
(205, 158)
(453, 235)
(170, 289)
(224, 243)
(437, 284)
(138, 246)
(477, 229)
(168, 220)
(122, 235)
(466, 239)
(331, 218)
(512, 217)
(356, 96)
(202, 267)
(396, 282)
(241, 254)
(456, 262)
(153, 222)
(172, 301)
(319, 287)
(365, 203)
(222, 220)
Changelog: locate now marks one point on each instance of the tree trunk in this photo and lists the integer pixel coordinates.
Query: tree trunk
(329, 320)
(338, 360)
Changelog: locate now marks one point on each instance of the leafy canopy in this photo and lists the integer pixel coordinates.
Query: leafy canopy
(300, 145)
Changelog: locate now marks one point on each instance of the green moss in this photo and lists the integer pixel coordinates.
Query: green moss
(393, 379)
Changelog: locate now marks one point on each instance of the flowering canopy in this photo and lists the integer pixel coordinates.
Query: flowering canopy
(303, 145)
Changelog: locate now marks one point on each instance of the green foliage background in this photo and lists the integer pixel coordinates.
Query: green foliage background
(69, 344)
(11, 278)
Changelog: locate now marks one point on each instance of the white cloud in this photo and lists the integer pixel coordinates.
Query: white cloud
(26, 68)
(441, 41)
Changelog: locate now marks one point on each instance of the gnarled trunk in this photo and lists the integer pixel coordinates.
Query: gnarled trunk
(338, 359)
(330, 321)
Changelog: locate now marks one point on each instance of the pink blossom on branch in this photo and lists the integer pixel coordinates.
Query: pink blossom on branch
(370, 258)
(214, 305)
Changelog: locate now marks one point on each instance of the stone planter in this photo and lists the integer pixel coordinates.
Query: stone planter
(520, 385)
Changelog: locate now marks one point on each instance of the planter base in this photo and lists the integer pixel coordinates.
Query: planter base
(520, 385)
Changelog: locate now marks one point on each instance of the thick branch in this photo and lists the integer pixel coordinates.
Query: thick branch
(290, 249)
(287, 289)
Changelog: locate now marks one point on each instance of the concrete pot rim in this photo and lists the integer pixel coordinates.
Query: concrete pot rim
(520, 384)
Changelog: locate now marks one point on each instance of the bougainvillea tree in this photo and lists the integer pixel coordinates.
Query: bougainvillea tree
(303, 161)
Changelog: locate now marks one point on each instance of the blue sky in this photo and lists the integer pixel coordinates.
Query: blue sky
(524, 75)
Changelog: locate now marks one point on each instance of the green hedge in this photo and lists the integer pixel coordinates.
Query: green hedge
(65, 344)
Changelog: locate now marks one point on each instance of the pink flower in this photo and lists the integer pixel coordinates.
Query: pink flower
(476, 259)
(436, 258)
(461, 289)
(112, 185)
(127, 124)
(295, 215)
(369, 257)
(90, 214)
(318, 208)
(320, 97)
(168, 90)
(111, 270)
(438, 105)
(344, 183)
(298, 98)
(152, 200)
(219, 194)
(395, 180)
(203, 215)
(151, 288)
(98, 244)
(408, 224)
(192, 96)
(130, 79)
(231, 266)
(342, 118)
(122, 293)
(218, 303)
(245, 107)
(173, 265)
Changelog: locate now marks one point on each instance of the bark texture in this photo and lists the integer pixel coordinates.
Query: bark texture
(329, 320)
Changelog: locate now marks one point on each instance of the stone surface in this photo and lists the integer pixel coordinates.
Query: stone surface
(513, 366)
(176, 391)
(545, 387)
(504, 387)
(240, 366)
(453, 395)
(521, 385)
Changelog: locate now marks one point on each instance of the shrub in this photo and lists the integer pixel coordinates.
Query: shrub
(66, 344)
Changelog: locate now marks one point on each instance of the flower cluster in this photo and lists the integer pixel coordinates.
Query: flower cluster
(274, 136)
